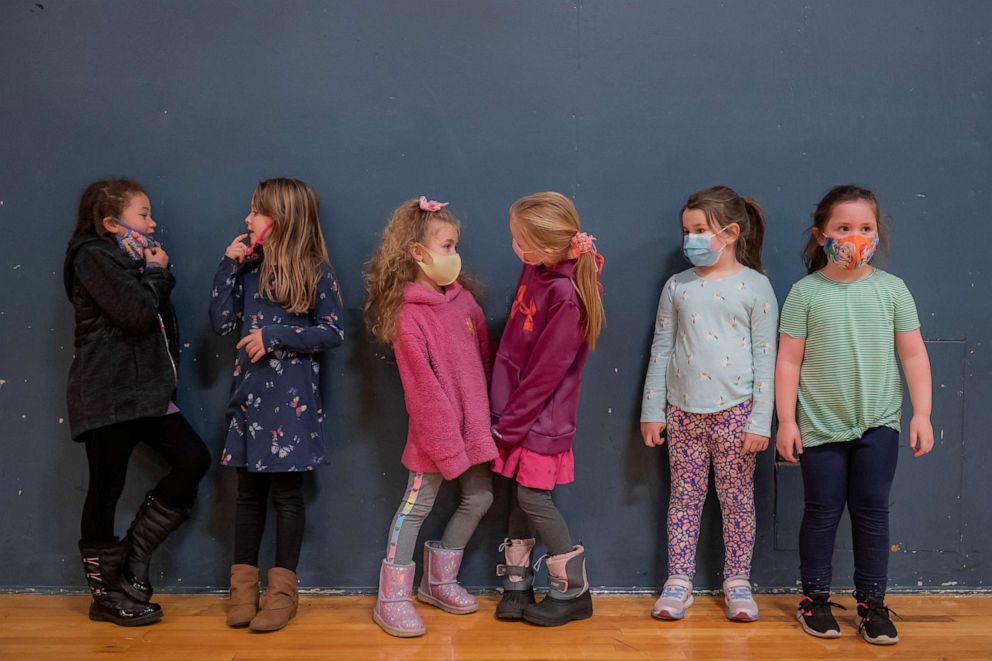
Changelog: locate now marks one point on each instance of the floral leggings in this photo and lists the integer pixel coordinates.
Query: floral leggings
(693, 440)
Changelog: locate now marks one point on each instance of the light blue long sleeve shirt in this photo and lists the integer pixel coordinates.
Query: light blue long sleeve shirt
(714, 347)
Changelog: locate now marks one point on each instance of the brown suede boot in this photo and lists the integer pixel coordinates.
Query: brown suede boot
(244, 595)
(279, 603)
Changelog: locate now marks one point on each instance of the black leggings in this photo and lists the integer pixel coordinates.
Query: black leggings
(108, 451)
(249, 520)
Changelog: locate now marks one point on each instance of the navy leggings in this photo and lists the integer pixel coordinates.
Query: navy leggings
(859, 474)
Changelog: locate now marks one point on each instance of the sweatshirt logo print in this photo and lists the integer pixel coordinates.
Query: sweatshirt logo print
(470, 326)
(528, 310)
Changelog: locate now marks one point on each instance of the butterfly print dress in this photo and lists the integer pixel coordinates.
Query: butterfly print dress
(274, 415)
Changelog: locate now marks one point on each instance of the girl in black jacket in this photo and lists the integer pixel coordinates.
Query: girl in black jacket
(122, 391)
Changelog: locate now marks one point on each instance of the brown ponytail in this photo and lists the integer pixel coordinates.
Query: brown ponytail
(752, 236)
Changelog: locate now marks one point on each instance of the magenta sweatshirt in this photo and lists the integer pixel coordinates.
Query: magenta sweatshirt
(443, 353)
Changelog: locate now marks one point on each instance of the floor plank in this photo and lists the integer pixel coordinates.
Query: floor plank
(56, 627)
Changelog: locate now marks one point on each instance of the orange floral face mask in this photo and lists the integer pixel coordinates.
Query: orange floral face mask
(850, 252)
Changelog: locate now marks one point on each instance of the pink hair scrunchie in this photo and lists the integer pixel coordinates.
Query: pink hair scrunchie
(583, 243)
(431, 205)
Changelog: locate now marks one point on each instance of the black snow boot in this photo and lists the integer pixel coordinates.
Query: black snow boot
(102, 565)
(152, 524)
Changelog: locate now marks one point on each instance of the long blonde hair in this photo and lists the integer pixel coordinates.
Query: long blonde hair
(294, 247)
(392, 266)
(548, 221)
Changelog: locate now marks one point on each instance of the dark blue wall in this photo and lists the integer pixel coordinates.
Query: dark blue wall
(628, 107)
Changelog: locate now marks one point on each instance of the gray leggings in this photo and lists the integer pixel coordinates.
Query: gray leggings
(533, 509)
(476, 485)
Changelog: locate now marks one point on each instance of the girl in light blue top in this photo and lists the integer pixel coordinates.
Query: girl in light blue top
(709, 386)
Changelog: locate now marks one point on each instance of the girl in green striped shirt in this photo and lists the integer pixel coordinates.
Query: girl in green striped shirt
(841, 328)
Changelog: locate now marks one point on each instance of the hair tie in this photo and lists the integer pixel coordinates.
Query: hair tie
(583, 243)
(431, 205)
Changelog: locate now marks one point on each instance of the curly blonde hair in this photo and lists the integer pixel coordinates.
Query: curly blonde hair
(392, 266)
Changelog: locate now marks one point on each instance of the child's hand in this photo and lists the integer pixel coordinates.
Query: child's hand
(237, 250)
(652, 432)
(755, 442)
(156, 256)
(253, 345)
(788, 441)
(920, 435)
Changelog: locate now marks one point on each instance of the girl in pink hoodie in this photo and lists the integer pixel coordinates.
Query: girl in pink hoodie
(420, 305)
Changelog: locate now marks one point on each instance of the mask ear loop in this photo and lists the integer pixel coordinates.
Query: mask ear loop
(259, 240)
(427, 253)
(152, 241)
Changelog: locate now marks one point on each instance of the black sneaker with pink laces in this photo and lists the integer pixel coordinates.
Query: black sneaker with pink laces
(875, 624)
(815, 616)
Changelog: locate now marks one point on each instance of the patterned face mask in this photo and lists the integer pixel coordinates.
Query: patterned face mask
(850, 252)
(134, 242)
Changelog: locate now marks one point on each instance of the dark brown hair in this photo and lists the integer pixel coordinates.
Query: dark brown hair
(101, 199)
(723, 206)
(813, 255)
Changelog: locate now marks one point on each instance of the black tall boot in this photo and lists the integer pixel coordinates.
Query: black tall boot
(102, 565)
(569, 598)
(152, 524)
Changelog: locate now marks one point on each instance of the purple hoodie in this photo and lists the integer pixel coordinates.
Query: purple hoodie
(534, 395)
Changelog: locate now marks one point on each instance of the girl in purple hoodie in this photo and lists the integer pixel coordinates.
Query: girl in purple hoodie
(554, 322)
(420, 304)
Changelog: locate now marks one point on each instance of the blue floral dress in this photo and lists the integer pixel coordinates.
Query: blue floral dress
(275, 415)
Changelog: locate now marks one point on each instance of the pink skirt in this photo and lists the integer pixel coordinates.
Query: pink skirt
(537, 471)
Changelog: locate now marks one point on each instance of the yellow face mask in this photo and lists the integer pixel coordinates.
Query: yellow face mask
(443, 269)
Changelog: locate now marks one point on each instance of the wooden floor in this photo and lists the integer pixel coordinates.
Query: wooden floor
(56, 627)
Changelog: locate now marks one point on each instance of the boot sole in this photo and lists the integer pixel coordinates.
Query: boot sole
(145, 620)
(445, 607)
(279, 628)
(392, 631)
(813, 632)
(671, 616)
(583, 613)
(880, 640)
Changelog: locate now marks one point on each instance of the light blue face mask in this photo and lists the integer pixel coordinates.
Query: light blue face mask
(697, 248)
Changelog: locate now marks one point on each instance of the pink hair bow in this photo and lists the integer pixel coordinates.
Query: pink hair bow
(431, 205)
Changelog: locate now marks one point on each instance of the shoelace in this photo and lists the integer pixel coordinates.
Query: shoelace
(537, 565)
(674, 591)
(740, 593)
(808, 606)
(881, 610)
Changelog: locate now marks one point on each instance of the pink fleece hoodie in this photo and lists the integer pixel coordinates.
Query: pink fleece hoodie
(443, 352)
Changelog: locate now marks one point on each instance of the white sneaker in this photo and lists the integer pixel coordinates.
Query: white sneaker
(741, 606)
(675, 597)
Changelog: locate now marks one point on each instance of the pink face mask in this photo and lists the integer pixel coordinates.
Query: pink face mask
(520, 252)
(259, 240)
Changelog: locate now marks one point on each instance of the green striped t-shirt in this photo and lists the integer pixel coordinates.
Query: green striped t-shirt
(849, 380)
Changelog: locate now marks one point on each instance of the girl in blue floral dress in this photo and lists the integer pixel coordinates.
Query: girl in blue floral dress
(274, 416)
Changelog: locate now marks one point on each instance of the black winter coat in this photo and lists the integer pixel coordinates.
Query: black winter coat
(126, 341)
